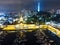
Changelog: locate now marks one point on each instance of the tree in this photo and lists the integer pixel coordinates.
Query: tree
(44, 15)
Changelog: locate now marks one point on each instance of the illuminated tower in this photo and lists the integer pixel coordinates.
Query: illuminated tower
(38, 6)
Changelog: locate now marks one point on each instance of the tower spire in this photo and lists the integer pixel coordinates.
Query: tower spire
(21, 18)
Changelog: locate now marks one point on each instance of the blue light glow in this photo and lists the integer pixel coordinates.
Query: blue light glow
(38, 6)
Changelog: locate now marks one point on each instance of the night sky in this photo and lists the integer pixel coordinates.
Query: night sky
(16, 5)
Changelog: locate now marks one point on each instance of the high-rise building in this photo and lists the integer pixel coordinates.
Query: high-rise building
(58, 11)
